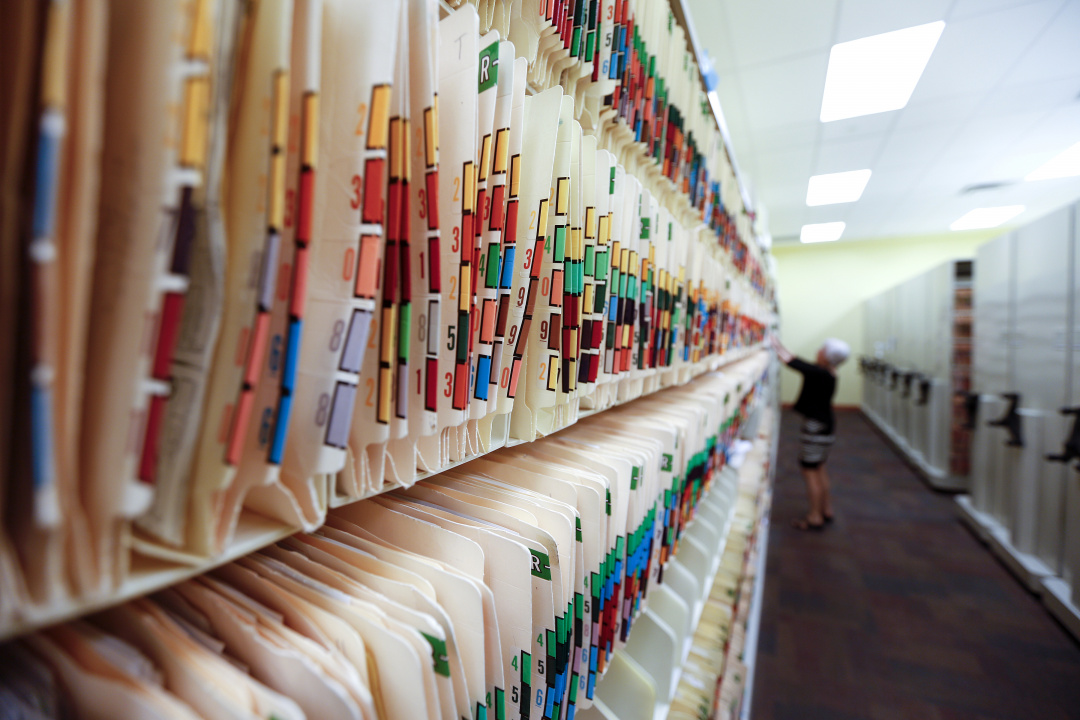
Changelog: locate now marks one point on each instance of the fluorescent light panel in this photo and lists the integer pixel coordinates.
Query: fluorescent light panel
(989, 217)
(822, 232)
(878, 73)
(1067, 164)
(834, 188)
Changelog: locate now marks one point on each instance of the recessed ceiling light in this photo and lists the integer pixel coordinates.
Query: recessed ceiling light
(1067, 164)
(878, 73)
(821, 232)
(842, 187)
(991, 217)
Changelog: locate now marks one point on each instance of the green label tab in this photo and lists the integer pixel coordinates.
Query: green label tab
(439, 657)
(489, 67)
(541, 565)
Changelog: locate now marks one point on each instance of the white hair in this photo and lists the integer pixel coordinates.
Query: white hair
(835, 351)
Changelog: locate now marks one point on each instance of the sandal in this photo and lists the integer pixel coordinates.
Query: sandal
(807, 526)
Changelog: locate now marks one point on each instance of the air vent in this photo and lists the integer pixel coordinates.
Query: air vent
(980, 187)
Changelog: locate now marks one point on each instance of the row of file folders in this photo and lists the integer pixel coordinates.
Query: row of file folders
(269, 253)
(496, 590)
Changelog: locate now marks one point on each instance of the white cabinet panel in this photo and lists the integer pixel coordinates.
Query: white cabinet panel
(993, 296)
(992, 301)
(1040, 339)
(1043, 278)
(1071, 480)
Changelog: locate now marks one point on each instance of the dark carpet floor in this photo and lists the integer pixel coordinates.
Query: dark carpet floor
(896, 611)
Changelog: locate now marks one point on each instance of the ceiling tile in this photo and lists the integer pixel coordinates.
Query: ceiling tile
(915, 148)
(1032, 96)
(857, 127)
(1056, 132)
(841, 156)
(974, 54)
(734, 108)
(788, 166)
(998, 99)
(784, 92)
(785, 221)
(952, 109)
(786, 137)
(990, 135)
(862, 18)
(887, 184)
(871, 220)
(758, 35)
(827, 213)
(1056, 54)
(784, 195)
(968, 8)
(713, 31)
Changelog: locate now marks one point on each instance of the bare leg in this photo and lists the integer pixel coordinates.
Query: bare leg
(826, 493)
(813, 491)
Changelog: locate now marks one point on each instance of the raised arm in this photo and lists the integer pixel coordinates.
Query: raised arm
(781, 351)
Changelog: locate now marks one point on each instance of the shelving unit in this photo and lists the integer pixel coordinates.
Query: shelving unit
(674, 614)
(702, 303)
(960, 437)
(148, 574)
(1024, 503)
(753, 629)
(915, 383)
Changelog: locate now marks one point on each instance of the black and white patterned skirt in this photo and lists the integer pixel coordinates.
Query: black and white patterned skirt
(814, 444)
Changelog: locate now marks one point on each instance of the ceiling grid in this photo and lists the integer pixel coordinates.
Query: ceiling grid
(999, 97)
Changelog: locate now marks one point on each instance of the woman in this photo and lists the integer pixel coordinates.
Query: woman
(816, 438)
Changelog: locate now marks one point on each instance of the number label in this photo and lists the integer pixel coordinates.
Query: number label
(322, 410)
(348, 264)
(337, 336)
(357, 186)
(362, 112)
